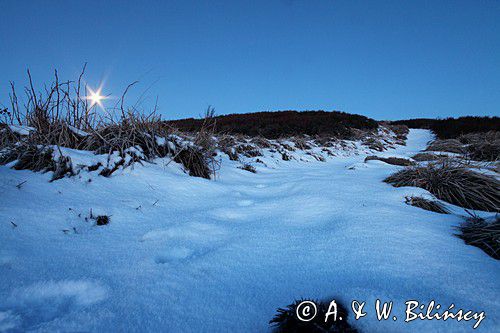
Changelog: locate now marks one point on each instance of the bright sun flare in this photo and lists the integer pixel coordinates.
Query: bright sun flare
(95, 97)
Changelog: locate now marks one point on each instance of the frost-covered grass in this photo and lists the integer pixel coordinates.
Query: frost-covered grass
(186, 254)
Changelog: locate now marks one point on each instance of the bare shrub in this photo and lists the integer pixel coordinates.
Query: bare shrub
(430, 205)
(391, 160)
(485, 235)
(452, 183)
(61, 117)
(274, 125)
(450, 128)
(8, 137)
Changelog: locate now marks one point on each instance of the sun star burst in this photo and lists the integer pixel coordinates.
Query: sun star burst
(95, 97)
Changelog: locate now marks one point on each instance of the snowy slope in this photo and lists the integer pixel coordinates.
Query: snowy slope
(185, 254)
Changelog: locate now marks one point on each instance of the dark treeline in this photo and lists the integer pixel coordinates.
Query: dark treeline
(278, 124)
(454, 127)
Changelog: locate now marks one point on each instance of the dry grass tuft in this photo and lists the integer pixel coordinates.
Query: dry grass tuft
(473, 146)
(248, 167)
(482, 146)
(374, 144)
(391, 160)
(29, 156)
(401, 132)
(482, 234)
(425, 157)
(194, 160)
(430, 205)
(452, 183)
(61, 117)
(448, 145)
(301, 143)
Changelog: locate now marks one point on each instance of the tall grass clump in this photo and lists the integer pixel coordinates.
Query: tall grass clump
(448, 145)
(391, 160)
(485, 235)
(424, 203)
(425, 157)
(32, 132)
(453, 183)
(472, 146)
(482, 146)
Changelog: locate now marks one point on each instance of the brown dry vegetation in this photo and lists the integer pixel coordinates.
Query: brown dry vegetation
(430, 205)
(485, 235)
(452, 128)
(453, 183)
(61, 117)
(448, 145)
(279, 124)
(425, 157)
(391, 160)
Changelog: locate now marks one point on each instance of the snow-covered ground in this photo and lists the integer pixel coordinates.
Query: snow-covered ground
(185, 254)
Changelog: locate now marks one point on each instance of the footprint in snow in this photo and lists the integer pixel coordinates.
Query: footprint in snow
(184, 242)
(30, 306)
(174, 254)
(231, 213)
(6, 260)
(244, 203)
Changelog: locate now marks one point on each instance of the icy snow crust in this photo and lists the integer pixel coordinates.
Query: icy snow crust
(185, 254)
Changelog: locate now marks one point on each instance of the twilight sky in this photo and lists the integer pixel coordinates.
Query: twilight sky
(383, 59)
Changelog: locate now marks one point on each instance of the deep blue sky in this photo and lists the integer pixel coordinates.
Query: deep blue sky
(384, 59)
